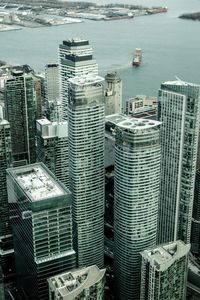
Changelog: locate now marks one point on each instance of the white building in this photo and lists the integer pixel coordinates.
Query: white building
(178, 110)
(86, 167)
(113, 94)
(75, 59)
(136, 191)
(164, 272)
(52, 147)
(82, 284)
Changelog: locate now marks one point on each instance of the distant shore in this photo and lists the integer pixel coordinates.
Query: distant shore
(191, 16)
(55, 13)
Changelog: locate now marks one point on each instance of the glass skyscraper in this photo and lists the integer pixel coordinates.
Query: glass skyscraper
(75, 59)
(86, 167)
(179, 112)
(41, 218)
(136, 191)
(20, 103)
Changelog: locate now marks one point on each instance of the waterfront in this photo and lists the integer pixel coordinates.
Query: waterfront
(170, 46)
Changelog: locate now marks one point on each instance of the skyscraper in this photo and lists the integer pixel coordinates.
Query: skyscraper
(178, 110)
(75, 59)
(195, 234)
(164, 272)
(113, 94)
(52, 148)
(52, 93)
(20, 105)
(5, 162)
(86, 167)
(6, 245)
(40, 212)
(136, 191)
(82, 284)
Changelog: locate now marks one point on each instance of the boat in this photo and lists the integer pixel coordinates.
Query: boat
(156, 10)
(137, 57)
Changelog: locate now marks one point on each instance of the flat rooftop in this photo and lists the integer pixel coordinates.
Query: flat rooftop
(84, 80)
(71, 284)
(165, 255)
(50, 129)
(37, 182)
(131, 123)
(180, 82)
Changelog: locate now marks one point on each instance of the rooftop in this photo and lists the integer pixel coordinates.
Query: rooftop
(37, 182)
(84, 80)
(180, 82)
(71, 284)
(50, 129)
(163, 256)
(131, 123)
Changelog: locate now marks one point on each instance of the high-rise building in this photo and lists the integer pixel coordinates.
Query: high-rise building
(178, 110)
(20, 105)
(6, 245)
(75, 59)
(164, 272)
(5, 162)
(52, 92)
(195, 234)
(82, 284)
(41, 218)
(86, 167)
(113, 94)
(136, 191)
(38, 85)
(52, 147)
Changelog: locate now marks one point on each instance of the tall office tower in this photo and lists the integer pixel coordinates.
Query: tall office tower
(41, 217)
(6, 245)
(75, 59)
(38, 82)
(86, 167)
(52, 93)
(164, 272)
(113, 94)
(21, 114)
(195, 234)
(5, 162)
(82, 284)
(178, 110)
(136, 190)
(52, 147)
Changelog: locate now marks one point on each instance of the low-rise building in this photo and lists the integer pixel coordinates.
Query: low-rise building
(81, 284)
(164, 272)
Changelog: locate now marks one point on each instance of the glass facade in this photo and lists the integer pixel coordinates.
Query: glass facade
(20, 101)
(75, 59)
(86, 167)
(42, 227)
(5, 162)
(52, 148)
(136, 191)
(178, 110)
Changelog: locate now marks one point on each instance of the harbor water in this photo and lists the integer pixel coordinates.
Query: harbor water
(171, 46)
